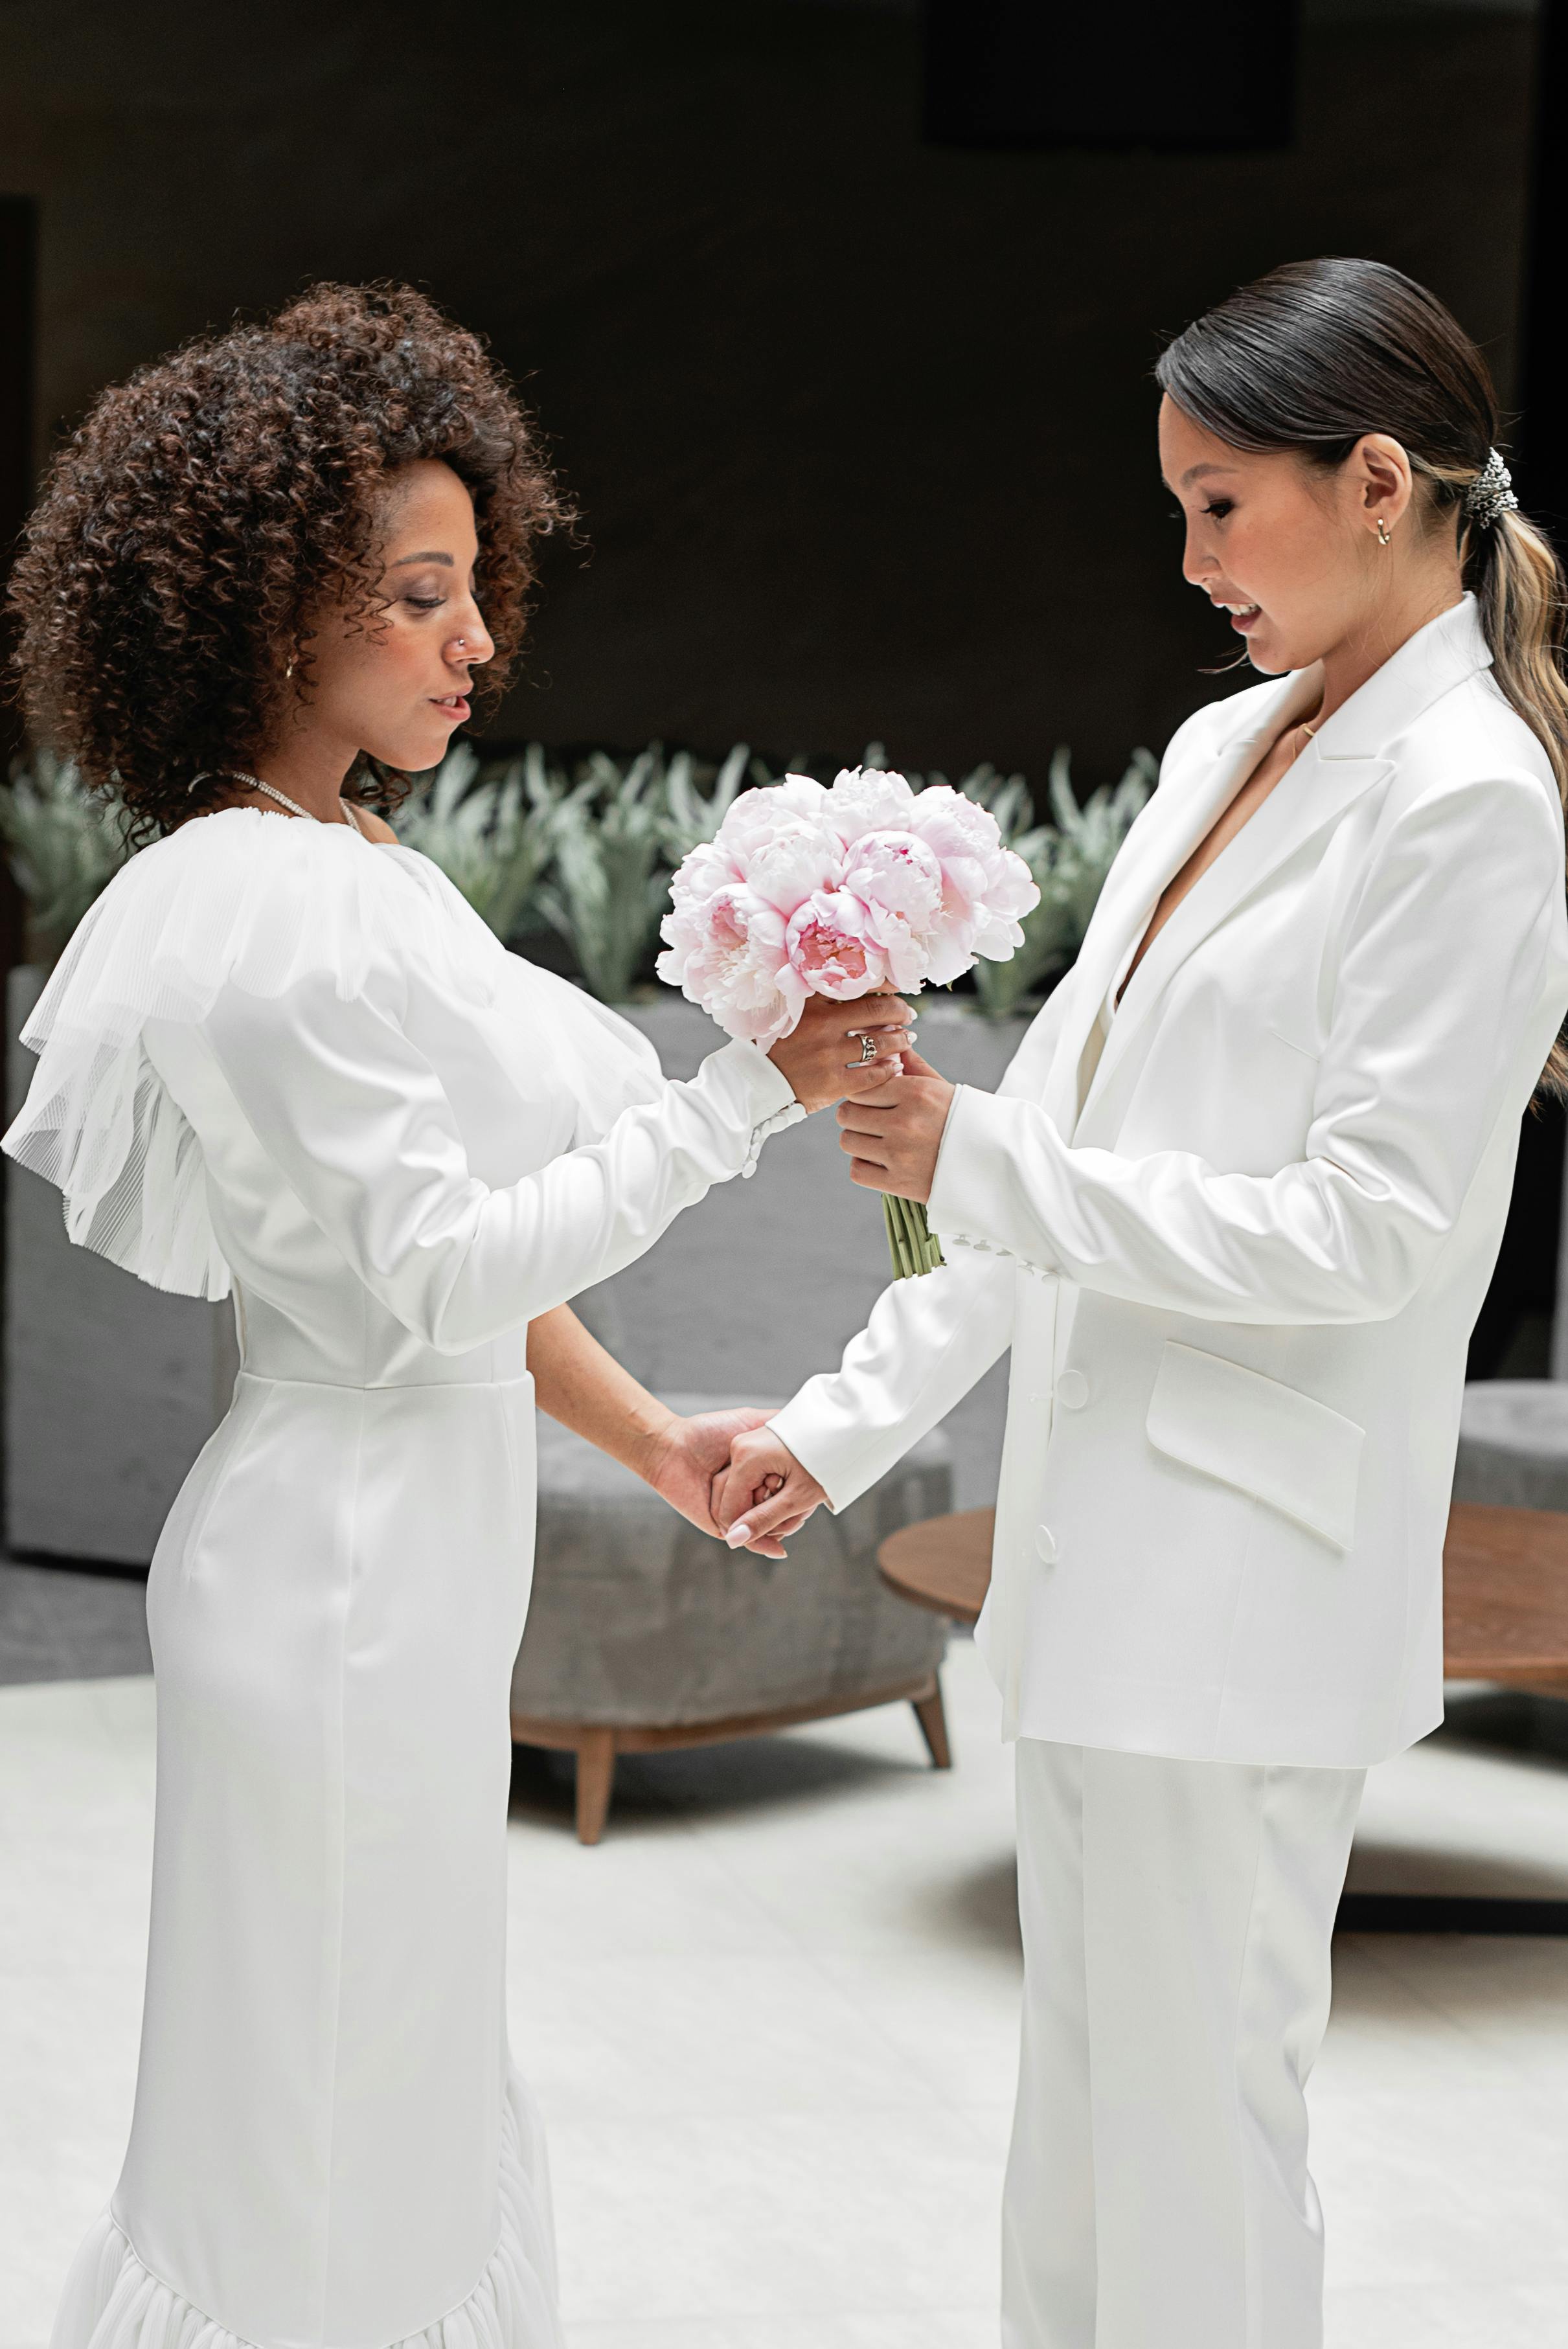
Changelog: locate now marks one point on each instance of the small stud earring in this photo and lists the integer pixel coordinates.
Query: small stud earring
(1384, 537)
(288, 672)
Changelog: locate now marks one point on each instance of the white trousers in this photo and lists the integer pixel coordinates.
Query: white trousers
(1177, 1921)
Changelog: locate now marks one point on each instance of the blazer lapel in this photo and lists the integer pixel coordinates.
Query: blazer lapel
(1343, 761)
(1309, 799)
(1137, 880)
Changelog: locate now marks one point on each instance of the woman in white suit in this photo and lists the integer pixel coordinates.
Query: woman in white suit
(1235, 1210)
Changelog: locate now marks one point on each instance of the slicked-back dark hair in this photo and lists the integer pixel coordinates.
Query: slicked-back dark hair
(1316, 355)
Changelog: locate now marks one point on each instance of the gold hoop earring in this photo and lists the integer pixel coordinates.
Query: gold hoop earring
(1383, 536)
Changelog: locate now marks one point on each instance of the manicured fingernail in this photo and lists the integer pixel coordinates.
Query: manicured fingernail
(739, 1535)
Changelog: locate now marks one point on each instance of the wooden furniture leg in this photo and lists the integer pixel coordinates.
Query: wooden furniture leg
(933, 1721)
(595, 1777)
(597, 1748)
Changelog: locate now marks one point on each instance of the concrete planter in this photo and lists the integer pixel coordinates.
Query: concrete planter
(762, 1284)
(111, 1388)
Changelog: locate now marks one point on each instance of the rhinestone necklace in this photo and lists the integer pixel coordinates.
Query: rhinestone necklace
(255, 783)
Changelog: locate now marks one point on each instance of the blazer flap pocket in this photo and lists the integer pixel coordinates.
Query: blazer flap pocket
(1266, 1439)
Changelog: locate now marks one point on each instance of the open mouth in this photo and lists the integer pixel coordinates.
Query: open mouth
(1242, 615)
(451, 705)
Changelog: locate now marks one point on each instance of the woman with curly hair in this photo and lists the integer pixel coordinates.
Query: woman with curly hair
(282, 1059)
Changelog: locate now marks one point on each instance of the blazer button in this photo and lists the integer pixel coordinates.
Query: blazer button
(1072, 1390)
(1045, 1545)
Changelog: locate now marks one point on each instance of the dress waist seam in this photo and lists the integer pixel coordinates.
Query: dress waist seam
(387, 1386)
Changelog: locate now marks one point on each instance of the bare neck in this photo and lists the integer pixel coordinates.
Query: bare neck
(309, 769)
(1394, 619)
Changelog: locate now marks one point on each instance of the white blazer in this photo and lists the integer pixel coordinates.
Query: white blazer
(1239, 1274)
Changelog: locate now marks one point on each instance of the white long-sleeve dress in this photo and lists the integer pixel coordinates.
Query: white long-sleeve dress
(280, 1060)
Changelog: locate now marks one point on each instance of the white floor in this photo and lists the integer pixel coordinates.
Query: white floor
(771, 2020)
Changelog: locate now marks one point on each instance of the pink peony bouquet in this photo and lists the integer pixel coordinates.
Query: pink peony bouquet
(842, 891)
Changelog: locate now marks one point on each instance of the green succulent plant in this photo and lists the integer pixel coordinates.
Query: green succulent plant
(493, 837)
(64, 844)
(1069, 860)
(587, 852)
(694, 815)
(609, 883)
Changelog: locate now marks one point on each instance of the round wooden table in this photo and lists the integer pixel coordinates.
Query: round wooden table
(1505, 1586)
(1505, 1619)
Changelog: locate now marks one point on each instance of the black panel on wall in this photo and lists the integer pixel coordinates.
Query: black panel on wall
(1542, 437)
(1182, 75)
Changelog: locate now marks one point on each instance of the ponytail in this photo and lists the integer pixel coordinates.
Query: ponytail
(1522, 598)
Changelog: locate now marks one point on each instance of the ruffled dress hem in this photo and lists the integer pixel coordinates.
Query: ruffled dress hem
(113, 2301)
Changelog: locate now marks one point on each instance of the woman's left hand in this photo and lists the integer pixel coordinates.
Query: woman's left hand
(892, 1136)
(688, 1455)
(833, 1048)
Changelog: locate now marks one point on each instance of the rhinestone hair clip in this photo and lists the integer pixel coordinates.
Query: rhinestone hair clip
(1492, 491)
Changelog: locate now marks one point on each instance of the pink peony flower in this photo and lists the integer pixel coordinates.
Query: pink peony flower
(898, 879)
(985, 887)
(763, 813)
(704, 869)
(832, 947)
(788, 867)
(868, 798)
(957, 817)
(807, 891)
(895, 870)
(727, 954)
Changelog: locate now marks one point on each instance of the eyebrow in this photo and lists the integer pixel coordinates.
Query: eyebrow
(1196, 472)
(431, 555)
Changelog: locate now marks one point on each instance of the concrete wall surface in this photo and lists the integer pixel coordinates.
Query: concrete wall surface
(110, 1388)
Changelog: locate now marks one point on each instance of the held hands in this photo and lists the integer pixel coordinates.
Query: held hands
(732, 1479)
(893, 1134)
(763, 1495)
(691, 1457)
(843, 1048)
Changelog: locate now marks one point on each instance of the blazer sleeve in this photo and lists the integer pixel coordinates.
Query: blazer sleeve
(927, 1341)
(358, 1123)
(1452, 982)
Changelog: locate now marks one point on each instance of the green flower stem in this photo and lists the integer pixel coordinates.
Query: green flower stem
(911, 1243)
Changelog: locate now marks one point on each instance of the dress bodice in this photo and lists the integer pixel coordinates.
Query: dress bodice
(280, 1058)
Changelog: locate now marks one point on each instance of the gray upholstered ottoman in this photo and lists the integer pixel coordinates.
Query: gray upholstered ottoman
(645, 1633)
(1513, 1444)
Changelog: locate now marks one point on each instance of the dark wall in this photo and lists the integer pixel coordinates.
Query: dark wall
(862, 430)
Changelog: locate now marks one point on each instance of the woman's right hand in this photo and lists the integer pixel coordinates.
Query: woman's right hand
(763, 1495)
(825, 1059)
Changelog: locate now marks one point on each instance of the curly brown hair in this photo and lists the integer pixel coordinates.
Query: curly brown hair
(206, 507)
